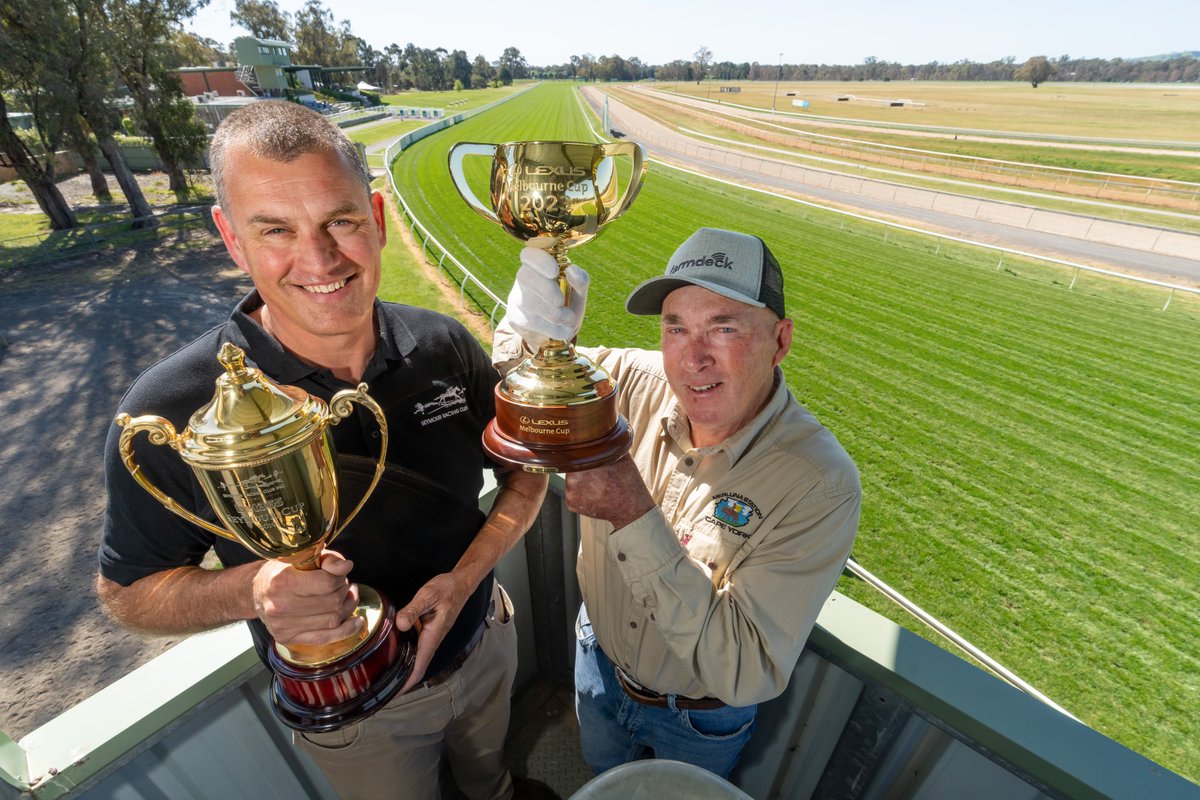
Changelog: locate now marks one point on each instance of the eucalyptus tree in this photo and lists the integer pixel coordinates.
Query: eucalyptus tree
(318, 39)
(426, 67)
(515, 62)
(459, 68)
(703, 57)
(31, 70)
(33, 171)
(482, 72)
(139, 44)
(263, 18)
(88, 82)
(1037, 69)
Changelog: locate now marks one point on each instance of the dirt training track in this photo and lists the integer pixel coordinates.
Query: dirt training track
(78, 333)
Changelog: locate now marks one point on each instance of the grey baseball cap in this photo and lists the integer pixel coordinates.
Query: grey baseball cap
(734, 265)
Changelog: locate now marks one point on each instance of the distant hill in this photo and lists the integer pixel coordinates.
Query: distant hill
(1168, 56)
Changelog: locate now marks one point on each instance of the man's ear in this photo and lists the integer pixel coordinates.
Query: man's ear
(783, 340)
(380, 213)
(232, 245)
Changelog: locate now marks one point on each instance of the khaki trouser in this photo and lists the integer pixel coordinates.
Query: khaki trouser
(397, 751)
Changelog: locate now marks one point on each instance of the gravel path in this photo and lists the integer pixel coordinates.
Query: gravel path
(78, 332)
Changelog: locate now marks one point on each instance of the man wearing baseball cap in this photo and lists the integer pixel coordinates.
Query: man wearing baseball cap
(707, 553)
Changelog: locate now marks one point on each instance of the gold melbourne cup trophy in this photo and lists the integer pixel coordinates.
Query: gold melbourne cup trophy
(264, 457)
(555, 411)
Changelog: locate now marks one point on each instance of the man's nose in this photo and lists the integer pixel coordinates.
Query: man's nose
(319, 249)
(696, 353)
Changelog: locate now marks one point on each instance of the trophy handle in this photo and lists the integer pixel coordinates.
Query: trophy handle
(457, 153)
(638, 154)
(339, 409)
(160, 431)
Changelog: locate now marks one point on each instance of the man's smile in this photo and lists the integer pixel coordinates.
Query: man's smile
(325, 288)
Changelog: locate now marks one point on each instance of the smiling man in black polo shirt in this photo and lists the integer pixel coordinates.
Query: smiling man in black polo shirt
(296, 212)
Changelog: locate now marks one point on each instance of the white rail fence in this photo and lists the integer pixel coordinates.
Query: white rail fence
(765, 166)
(433, 250)
(919, 160)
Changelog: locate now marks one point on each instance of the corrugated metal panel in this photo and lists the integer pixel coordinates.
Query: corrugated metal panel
(236, 750)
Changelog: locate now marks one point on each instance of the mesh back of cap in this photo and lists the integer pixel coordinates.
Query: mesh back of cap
(770, 293)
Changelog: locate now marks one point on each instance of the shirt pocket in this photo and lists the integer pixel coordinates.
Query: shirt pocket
(714, 547)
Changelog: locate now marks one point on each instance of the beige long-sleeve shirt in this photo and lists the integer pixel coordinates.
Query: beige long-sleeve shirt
(714, 592)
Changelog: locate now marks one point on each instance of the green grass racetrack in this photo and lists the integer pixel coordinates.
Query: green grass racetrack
(1030, 455)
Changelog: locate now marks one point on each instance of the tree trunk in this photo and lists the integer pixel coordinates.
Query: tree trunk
(138, 207)
(158, 136)
(48, 197)
(91, 164)
(178, 179)
(99, 181)
(171, 166)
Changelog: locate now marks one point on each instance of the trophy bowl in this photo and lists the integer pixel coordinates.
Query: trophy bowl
(555, 411)
(264, 457)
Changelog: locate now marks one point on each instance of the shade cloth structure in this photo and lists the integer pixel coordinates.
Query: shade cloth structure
(363, 86)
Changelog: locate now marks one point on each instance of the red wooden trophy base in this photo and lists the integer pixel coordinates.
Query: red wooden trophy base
(557, 438)
(350, 689)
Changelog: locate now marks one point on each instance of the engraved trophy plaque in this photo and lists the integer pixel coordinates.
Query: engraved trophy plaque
(555, 411)
(263, 455)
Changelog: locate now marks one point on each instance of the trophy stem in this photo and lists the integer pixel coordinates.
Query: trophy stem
(554, 352)
(371, 608)
(560, 255)
(307, 559)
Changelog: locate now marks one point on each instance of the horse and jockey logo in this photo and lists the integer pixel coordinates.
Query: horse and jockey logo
(448, 403)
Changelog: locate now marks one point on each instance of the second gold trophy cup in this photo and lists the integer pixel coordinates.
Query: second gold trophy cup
(555, 411)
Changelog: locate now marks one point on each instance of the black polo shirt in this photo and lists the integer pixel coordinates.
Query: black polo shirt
(435, 385)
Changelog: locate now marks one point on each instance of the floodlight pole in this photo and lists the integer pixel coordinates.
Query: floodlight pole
(777, 78)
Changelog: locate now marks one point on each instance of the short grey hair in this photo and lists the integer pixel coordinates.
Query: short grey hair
(279, 130)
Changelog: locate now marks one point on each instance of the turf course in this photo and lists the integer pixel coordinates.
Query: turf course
(1029, 455)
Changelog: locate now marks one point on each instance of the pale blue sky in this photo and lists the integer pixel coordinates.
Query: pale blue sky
(845, 32)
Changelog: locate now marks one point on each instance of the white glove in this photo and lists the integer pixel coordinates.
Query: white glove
(535, 304)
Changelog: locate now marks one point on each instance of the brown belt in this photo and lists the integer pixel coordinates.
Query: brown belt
(646, 697)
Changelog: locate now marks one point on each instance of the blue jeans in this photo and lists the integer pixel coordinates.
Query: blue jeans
(615, 729)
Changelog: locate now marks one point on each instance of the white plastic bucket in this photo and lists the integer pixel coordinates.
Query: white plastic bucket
(658, 779)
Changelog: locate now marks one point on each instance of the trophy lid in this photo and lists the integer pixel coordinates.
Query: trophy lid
(250, 419)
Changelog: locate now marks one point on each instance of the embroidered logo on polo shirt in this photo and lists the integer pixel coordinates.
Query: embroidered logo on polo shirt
(447, 404)
(733, 511)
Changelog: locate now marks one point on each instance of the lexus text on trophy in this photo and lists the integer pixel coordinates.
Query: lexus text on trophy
(555, 411)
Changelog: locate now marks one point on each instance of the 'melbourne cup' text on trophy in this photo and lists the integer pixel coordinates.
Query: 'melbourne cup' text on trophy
(264, 457)
(555, 411)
